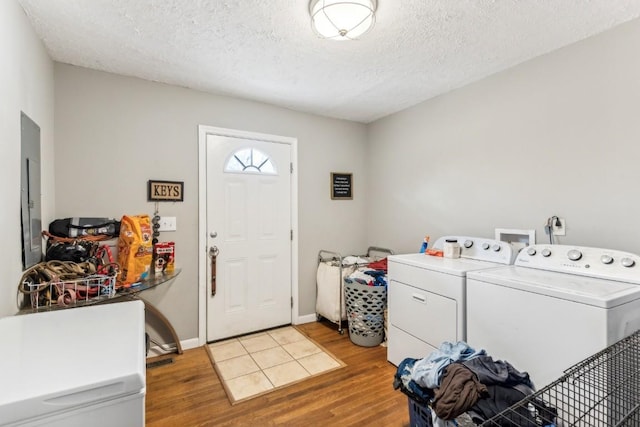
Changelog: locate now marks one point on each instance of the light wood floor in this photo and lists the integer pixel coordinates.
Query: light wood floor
(188, 392)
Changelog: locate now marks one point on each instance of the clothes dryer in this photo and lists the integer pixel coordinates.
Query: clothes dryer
(556, 306)
(427, 298)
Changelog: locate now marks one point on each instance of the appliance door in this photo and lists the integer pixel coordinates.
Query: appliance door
(123, 412)
(59, 361)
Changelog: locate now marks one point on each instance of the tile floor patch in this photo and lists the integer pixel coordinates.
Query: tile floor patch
(286, 335)
(236, 367)
(255, 364)
(226, 350)
(271, 357)
(301, 349)
(258, 343)
(257, 334)
(285, 374)
(249, 385)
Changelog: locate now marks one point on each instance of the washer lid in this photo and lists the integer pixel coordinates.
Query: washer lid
(586, 290)
(56, 361)
(456, 267)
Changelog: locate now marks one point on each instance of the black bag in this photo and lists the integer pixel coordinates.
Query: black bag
(78, 251)
(79, 227)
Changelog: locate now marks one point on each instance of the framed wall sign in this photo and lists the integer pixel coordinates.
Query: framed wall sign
(165, 191)
(341, 186)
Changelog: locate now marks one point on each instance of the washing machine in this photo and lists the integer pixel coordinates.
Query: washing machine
(556, 306)
(426, 295)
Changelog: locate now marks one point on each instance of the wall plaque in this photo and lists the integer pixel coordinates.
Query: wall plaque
(341, 186)
(165, 191)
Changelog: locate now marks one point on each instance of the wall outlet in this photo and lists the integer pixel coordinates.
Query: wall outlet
(559, 230)
(167, 223)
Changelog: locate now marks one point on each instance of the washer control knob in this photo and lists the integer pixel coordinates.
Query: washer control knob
(606, 259)
(546, 252)
(531, 251)
(485, 246)
(574, 254)
(496, 247)
(627, 262)
(468, 243)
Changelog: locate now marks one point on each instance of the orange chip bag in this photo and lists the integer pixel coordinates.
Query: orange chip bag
(135, 250)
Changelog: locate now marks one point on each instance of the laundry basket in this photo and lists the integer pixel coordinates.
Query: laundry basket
(365, 312)
(419, 414)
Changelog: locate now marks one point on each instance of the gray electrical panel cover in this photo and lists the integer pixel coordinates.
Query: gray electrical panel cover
(30, 192)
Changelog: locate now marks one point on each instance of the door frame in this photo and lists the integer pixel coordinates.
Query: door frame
(203, 132)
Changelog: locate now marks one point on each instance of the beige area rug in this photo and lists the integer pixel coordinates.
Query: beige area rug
(256, 364)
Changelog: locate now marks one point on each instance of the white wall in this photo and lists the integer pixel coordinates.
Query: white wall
(554, 136)
(26, 84)
(558, 135)
(114, 133)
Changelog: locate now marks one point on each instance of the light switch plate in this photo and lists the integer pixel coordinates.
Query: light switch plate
(167, 223)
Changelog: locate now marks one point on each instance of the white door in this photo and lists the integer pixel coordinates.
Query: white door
(249, 227)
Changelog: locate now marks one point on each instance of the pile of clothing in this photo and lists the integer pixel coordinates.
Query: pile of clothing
(371, 274)
(457, 379)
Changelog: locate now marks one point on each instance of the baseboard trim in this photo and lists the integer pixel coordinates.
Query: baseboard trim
(156, 350)
(307, 318)
(190, 343)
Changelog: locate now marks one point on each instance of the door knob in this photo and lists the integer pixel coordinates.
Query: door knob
(213, 234)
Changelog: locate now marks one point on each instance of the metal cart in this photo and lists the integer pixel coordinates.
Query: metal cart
(602, 390)
(330, 303)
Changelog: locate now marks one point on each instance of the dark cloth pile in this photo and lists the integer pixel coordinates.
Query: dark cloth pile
(458, 391)
(474, 384)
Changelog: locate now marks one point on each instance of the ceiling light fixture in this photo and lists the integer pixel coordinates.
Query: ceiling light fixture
(342, 19)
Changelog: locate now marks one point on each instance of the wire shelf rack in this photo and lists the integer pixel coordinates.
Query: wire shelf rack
(62, 294)
(602, 390)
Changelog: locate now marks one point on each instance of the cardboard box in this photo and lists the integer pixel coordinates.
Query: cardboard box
(164, 257)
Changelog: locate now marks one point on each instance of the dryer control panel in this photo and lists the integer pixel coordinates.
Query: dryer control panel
(593, 262)
(481, 249)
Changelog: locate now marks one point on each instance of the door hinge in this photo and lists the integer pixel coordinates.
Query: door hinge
(291, 167)
(291, 302)
(292, 235)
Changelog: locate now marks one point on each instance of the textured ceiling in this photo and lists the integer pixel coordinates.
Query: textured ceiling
(265, 50)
